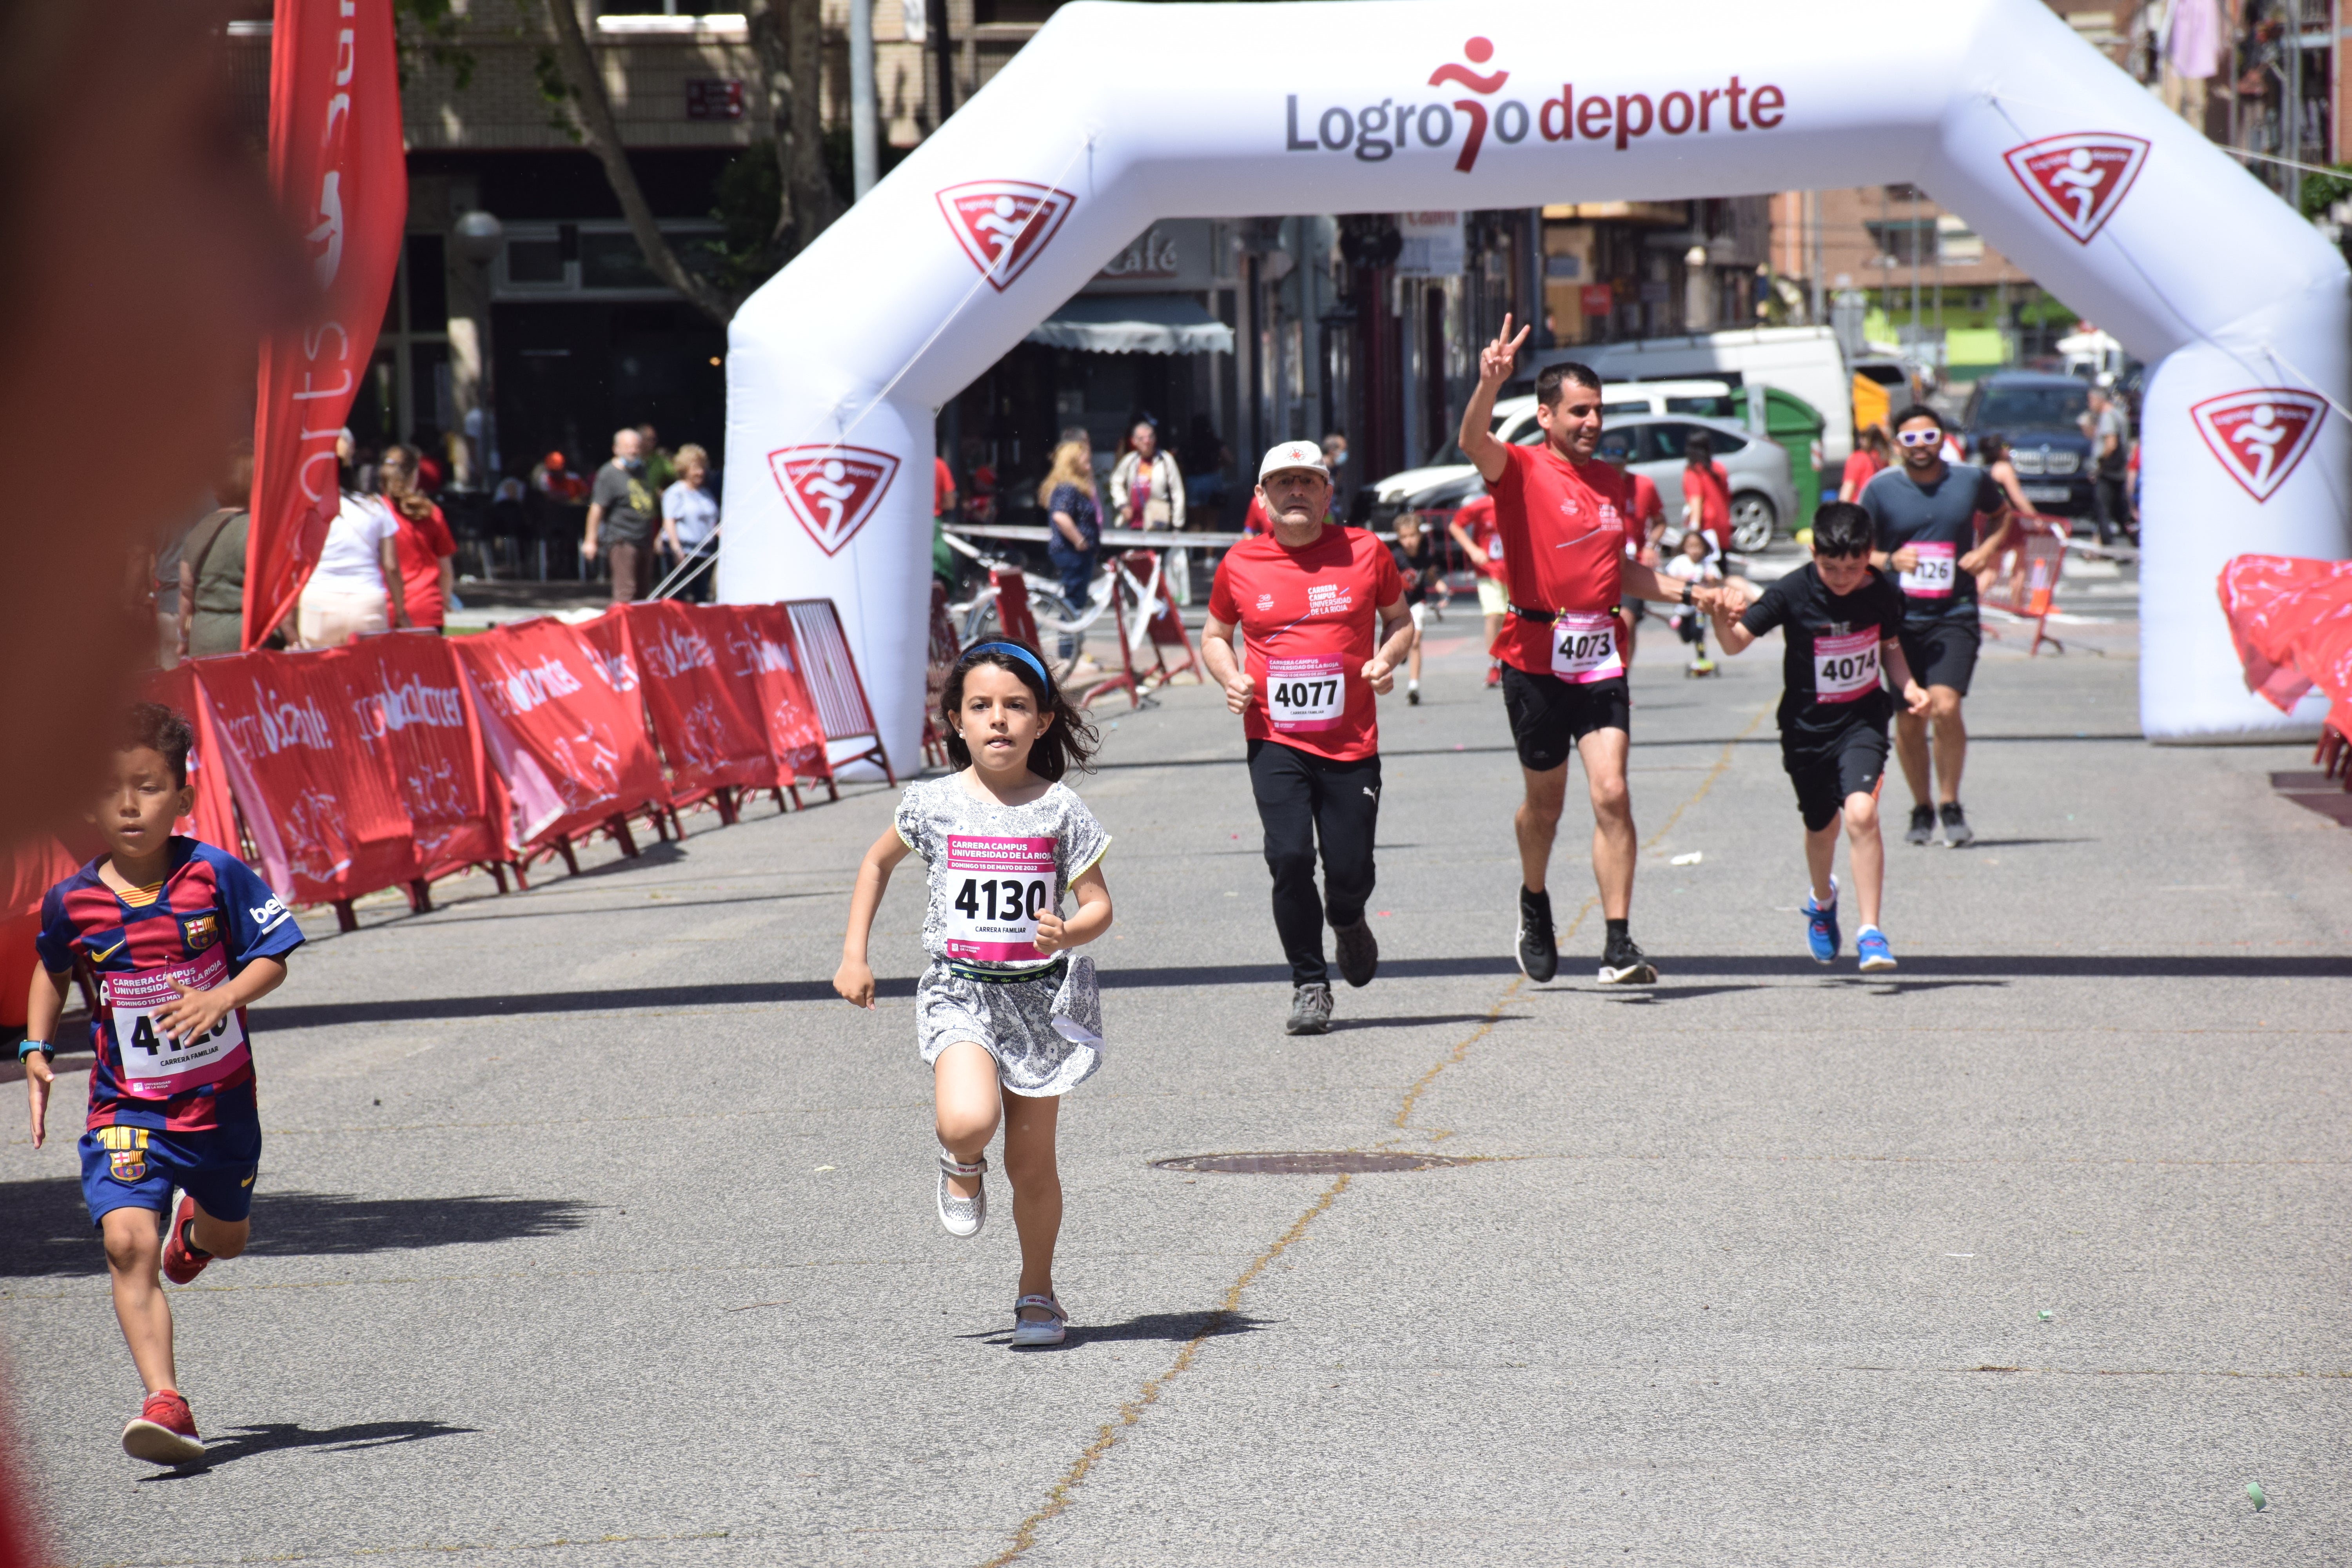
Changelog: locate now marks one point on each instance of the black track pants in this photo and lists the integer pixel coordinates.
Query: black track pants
(1299, 798)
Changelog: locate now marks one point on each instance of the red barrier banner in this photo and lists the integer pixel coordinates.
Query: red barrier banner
(317, 792)
(341, 176)
(709, 726)
(563, 722)
(411, 702)
(2279, 607)
(213, 820)
(759, 646)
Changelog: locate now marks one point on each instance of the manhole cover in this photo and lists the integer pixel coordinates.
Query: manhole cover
(1307, 1163)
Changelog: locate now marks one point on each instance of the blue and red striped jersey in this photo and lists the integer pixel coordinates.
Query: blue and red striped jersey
(213, 917)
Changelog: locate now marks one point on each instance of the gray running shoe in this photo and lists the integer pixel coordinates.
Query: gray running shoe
(1923, 825)
(1359, 954)
(1957, 831)
(961, 1216)
(1310, 1011)
(1031, 1331)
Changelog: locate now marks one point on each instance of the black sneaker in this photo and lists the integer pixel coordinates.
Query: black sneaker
(1539, 947)
(1359, 954)
(1957, 831)
(1310, 1011)
(1413, 696)
(1923, 825)
(1623, 963)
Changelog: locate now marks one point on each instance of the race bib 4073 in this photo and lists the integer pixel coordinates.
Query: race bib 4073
(1584, 647)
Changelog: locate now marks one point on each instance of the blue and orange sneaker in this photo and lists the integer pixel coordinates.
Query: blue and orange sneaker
(1871, 948)
(182, 1261)
(1822, 927)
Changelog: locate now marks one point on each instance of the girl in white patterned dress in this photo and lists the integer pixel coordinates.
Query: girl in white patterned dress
(1007, 1020)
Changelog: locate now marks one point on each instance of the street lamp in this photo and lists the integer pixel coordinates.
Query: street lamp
(477, 238)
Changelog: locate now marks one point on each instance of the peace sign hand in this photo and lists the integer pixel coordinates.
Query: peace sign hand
(1494, 361)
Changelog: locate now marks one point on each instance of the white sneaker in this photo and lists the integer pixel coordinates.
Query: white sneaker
(961, 1216)
(1029, 1332)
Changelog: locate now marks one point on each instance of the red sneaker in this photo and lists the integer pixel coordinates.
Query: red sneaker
(165, 1432)
(182, 1261)
(1493, 676)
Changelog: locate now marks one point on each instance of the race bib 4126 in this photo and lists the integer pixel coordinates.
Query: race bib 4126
(1931, 574)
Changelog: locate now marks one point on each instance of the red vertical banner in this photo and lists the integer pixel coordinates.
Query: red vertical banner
(317, 792)
(411, 702)
(759, 647)
(341, 178)
(708, 725)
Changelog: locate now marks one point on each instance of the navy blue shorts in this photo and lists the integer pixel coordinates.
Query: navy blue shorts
(137, 1167)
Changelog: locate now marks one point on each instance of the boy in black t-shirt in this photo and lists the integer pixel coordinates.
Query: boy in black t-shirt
(1841, 622)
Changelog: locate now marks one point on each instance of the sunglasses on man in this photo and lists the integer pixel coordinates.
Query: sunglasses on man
(1920, 437)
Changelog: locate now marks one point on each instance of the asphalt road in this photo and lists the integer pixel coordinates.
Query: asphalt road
(590, 1231)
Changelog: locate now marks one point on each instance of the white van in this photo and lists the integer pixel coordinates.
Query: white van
(1805, 360)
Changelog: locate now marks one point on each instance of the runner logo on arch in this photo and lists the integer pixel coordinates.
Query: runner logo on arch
(2260, 434)
(1002, 224)
(832, 490)
(2079, 179)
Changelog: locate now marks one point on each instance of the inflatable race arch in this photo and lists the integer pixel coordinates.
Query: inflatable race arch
(1118, 115)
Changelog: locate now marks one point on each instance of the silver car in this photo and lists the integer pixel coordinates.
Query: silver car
(1763, 499)
(1762, 495)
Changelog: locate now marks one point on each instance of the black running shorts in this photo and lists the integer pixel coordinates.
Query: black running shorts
(1942, 653)
(1853, 763)
(1549, 716)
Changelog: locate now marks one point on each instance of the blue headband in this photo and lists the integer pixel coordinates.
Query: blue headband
(1018, 651)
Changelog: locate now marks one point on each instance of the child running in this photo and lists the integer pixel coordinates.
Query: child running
(1692, 564)
(1840, 619)
(1007, 1023)
(182, 936)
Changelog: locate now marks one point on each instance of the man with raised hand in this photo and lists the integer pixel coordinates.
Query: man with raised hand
(1924, 513)
(1303, 597)
(1560, 514)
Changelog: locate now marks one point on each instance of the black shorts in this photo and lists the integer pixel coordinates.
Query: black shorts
(1549, 716)
(1942, 653)
(1854, 763)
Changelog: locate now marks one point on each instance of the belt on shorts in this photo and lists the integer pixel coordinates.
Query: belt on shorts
(1546, 618)
(1000, 977)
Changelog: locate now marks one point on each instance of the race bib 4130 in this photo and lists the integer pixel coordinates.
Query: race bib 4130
(996, 890)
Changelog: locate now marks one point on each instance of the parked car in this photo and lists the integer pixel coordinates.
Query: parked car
(1805, 360)
(1763, 496)
(2039, 414)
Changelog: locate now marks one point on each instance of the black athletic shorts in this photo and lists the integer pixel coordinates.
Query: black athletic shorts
(1549, 716)
(1855, 763)
(1942, 653)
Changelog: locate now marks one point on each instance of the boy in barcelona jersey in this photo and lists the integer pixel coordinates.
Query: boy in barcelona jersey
(181, 937)
(1841, 623)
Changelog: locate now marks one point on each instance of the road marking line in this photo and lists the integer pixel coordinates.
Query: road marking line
(1024, 1535)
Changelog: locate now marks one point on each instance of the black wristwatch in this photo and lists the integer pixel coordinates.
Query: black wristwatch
(1687, 596)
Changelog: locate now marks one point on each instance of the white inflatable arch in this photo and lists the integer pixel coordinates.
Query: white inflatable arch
(1118, 115)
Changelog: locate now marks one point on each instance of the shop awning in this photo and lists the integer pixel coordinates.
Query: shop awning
(1135, 324)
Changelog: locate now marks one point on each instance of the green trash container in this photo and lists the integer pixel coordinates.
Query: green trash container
(1797, 426)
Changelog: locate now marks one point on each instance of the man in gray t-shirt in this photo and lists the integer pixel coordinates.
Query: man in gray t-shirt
(1924, 514)
(621, 512)
(2110, 429)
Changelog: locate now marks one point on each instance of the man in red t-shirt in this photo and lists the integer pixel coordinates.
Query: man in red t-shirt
(1474, 529)
(1562, 516)
(1303, 597)
(1707, 493)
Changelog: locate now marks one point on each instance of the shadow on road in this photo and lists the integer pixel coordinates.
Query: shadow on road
(1166, 1328)
(275, 1436)
(1678, 967)
(50, 1233)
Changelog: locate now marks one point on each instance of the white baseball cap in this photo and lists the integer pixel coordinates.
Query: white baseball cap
(1293, 455)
